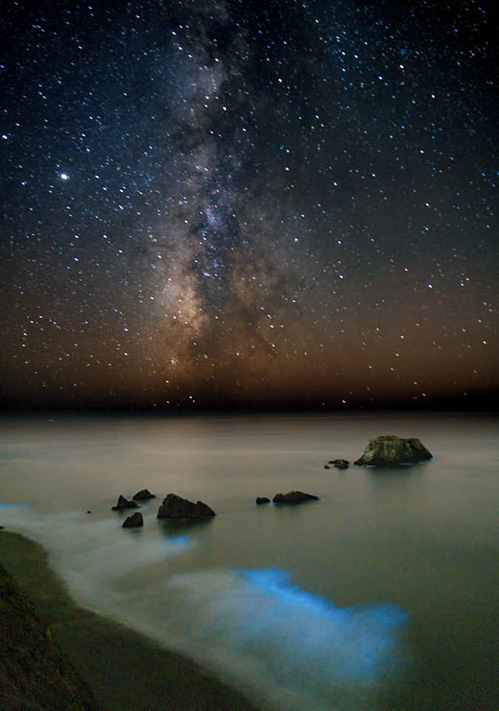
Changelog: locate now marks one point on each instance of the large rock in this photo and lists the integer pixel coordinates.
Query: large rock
(389, 450)
(143, 495)
(262, 500)
(133, 521)
(124, 504)
(174, 506)
(294, 497)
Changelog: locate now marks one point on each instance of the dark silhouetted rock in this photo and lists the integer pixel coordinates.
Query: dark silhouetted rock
(133, 521)
(262, 500)
(340, 463)
(294, 497)
(326, 466)
(143, 495)
(174, 506)
(124, 504)
(389, 450)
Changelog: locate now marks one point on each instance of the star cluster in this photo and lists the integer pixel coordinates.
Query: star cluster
(229, 203)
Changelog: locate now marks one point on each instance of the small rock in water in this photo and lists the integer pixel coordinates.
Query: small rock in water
(389, 450)
(294, 497)
(143, 495)
(174, 506)
(340, 463)
(326, 466)
(124, 504)
(133, 521)
(262, 500)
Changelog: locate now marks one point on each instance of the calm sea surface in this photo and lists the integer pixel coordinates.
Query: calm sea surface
(384, 595)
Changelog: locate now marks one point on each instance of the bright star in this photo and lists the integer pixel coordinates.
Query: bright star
(63, 176)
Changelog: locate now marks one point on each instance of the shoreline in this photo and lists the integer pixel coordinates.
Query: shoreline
(125, 670)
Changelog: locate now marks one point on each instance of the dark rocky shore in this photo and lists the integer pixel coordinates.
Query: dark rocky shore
(94, 657)
(35, 675)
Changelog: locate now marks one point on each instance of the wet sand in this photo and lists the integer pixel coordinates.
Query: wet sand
(125, 671)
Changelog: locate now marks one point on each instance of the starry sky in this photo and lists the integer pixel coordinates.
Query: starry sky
(237, 204)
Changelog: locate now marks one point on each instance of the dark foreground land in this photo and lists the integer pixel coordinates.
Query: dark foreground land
(48, 635)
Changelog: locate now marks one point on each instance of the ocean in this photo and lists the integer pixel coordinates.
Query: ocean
(381, 596)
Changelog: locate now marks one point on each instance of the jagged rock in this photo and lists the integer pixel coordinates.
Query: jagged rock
(133, 521)
(262, 500)
(294, 497)
(340, 463)
(124, 504)
(143, 495)
(174, 506)
(389, 450)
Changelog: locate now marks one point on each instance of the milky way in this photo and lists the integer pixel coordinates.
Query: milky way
(214, 204)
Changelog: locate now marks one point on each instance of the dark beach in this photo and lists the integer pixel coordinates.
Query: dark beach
(125, 671)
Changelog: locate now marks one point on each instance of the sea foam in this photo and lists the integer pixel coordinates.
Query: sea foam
(285, 647)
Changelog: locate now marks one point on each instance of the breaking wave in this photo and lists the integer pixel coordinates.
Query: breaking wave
(286, 648)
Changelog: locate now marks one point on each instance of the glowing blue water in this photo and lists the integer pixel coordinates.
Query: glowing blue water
(357, 641)
(380, 595)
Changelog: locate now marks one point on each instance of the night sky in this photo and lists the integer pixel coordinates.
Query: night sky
(240, 204)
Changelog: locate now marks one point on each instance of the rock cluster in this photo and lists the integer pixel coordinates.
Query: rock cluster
(389, 450)
(383, 451)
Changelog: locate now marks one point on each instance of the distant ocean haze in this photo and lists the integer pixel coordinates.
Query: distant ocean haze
(380, 595)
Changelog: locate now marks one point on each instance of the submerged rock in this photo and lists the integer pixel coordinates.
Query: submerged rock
(262, 500)
(340, 463)
(124, 504)
(389, 450)
(143, 495)
(294, 497)
(174, 506)
(133, 521)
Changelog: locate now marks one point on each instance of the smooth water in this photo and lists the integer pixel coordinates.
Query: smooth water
(381, 596)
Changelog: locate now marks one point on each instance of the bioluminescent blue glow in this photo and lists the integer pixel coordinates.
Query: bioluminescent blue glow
(368, 632)
(307, 652)
(297, 651)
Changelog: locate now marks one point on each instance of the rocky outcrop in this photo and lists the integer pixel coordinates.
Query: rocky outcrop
(340, 463)
(389, 450)
(262, 500)
(124, 504)
(133, 521)
(143, 495)
(174, 506)
(35, 675)
(294, 497)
